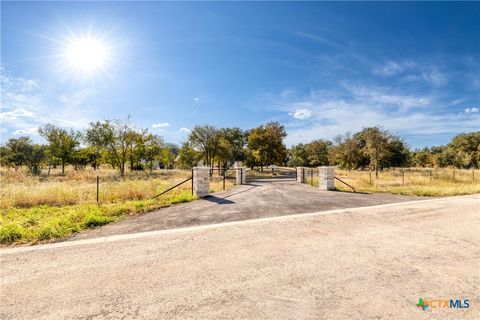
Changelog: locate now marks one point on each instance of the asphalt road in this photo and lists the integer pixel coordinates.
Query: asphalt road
(364, 263)
(252, 201)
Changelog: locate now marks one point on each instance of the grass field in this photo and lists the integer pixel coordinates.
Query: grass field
(420, 182)
(35, 209)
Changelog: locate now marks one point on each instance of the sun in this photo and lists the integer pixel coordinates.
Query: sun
(85, 55)
(88, 55)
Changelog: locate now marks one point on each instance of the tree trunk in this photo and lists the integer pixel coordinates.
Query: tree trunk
(63, 168)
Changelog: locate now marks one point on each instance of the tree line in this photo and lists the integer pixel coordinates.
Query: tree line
(123, 146)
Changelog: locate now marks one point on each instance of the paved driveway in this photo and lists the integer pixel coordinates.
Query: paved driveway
(251, 201)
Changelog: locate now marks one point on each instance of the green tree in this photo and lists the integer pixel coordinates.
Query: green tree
(187, 156)
(22, 152)
(266, 144)
(119, 138)
(398, 152)
(423, 158)
(375, 146)
(61, 143)
(231, 146)
(206, 140)
(465, 148)
(298, 156)
(83, 157)
(96, 140)
(13, 153)
(152, 146)
(346, 151)
(317, 152)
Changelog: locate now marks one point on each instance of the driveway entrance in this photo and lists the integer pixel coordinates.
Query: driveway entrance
(270, 174)
(249, 201)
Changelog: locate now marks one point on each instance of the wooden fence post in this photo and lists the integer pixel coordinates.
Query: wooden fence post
(403, 176)
(98, 188)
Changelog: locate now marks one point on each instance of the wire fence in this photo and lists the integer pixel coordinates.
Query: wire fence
(397, 177)
(104, 186)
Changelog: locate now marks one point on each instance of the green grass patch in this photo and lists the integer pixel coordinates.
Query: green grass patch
(45, 223)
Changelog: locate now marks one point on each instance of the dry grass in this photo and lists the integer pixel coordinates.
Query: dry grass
(22, 191)
(37, 209)
(421, 182)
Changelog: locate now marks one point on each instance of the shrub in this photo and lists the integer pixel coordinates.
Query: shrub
(10, 233)
(60, 227)
(93, 220)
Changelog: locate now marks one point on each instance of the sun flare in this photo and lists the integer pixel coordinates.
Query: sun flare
(87, 55)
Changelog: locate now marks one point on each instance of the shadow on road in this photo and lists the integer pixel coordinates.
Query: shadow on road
(218, 200)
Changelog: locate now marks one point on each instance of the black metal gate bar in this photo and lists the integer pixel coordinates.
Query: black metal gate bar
(271, 174)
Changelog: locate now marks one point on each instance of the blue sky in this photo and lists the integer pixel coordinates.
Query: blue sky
(321, 69)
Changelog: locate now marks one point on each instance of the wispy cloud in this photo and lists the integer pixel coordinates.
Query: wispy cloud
(27, 104)
(77, 98)
(16, 114)
(435, 77)
(353, 107)
(301, 114)
(33, 131)
(318, 39)
(472, 110)
(161, 125)
(184, 130)
(391, 68)
(412, 71)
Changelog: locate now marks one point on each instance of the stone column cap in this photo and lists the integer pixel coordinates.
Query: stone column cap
(201, 168)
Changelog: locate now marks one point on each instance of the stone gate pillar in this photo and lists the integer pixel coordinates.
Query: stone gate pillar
(326, 177)
(201, 181)
(240, 175)
(301, 174)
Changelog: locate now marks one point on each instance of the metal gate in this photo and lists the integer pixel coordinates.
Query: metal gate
(270, 174)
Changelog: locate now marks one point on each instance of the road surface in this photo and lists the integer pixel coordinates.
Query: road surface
(365, 263)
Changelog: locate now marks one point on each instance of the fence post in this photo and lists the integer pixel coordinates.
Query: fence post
(98, 187)
(370, 177)
(473, 174)
(403, 176)
(192, 181)
(224, 174)
(453, 171)
(430, 174)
